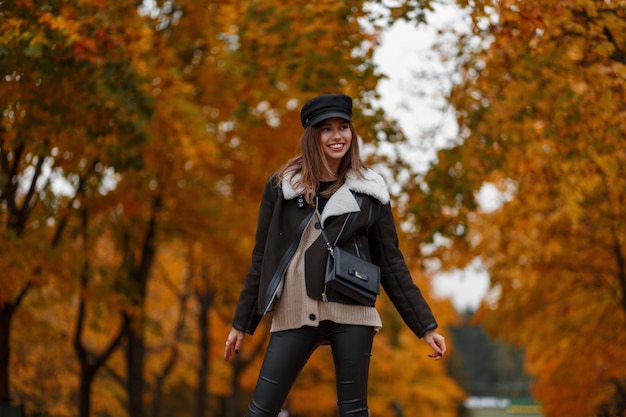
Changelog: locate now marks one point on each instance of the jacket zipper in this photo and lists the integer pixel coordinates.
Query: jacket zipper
(273, 298)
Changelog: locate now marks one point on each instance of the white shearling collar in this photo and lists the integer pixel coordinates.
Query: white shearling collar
(343, 201)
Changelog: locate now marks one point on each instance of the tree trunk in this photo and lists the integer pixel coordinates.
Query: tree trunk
(621, 270)
(234, 406)
(6, 315)
(203, 370)
(135, 351)
(174, 349)
(90, 364)
(84, 395)
(7, 309)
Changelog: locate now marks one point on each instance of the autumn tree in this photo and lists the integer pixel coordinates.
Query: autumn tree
(90, 128)
(54, 150)
(540, 105)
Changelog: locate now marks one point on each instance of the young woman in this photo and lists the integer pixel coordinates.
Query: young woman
(316, 189)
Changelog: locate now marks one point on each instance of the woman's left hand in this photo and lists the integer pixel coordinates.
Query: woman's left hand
(437, 342)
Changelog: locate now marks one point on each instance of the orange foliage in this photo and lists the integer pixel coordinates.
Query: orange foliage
(541, 107)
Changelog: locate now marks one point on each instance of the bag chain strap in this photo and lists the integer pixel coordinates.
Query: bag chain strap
(330, 246)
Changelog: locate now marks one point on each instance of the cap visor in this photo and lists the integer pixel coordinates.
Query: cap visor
(327, 115)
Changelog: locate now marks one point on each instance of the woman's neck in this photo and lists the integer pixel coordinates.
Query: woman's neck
(333, 171)
(331, 175)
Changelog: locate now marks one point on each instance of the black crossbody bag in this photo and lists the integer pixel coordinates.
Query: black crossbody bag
(349, 274)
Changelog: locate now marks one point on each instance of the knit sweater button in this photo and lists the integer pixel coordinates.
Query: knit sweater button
(312, 317)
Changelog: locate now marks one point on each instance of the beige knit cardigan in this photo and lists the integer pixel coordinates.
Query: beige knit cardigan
(295, 308)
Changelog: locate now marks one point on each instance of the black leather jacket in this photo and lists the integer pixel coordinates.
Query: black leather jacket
(372, 235)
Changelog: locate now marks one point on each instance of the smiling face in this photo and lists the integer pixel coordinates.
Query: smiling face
(335, 140)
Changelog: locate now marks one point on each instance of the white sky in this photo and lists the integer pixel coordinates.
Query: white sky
(416, 102)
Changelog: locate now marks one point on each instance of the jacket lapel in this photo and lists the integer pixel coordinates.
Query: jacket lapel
(343, 200)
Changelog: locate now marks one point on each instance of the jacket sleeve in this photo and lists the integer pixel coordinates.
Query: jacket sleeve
(395, 276)
(246, 316)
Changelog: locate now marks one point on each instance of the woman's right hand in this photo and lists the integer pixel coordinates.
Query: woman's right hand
(233, 343)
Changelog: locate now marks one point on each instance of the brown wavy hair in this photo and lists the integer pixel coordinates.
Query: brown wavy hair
(312, 165)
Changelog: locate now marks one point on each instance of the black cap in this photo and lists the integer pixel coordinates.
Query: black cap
(324, 107)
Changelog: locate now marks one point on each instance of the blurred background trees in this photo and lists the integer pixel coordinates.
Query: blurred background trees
(541, 103)
(135, 138)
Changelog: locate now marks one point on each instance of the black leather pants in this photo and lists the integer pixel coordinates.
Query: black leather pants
(289, 350)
